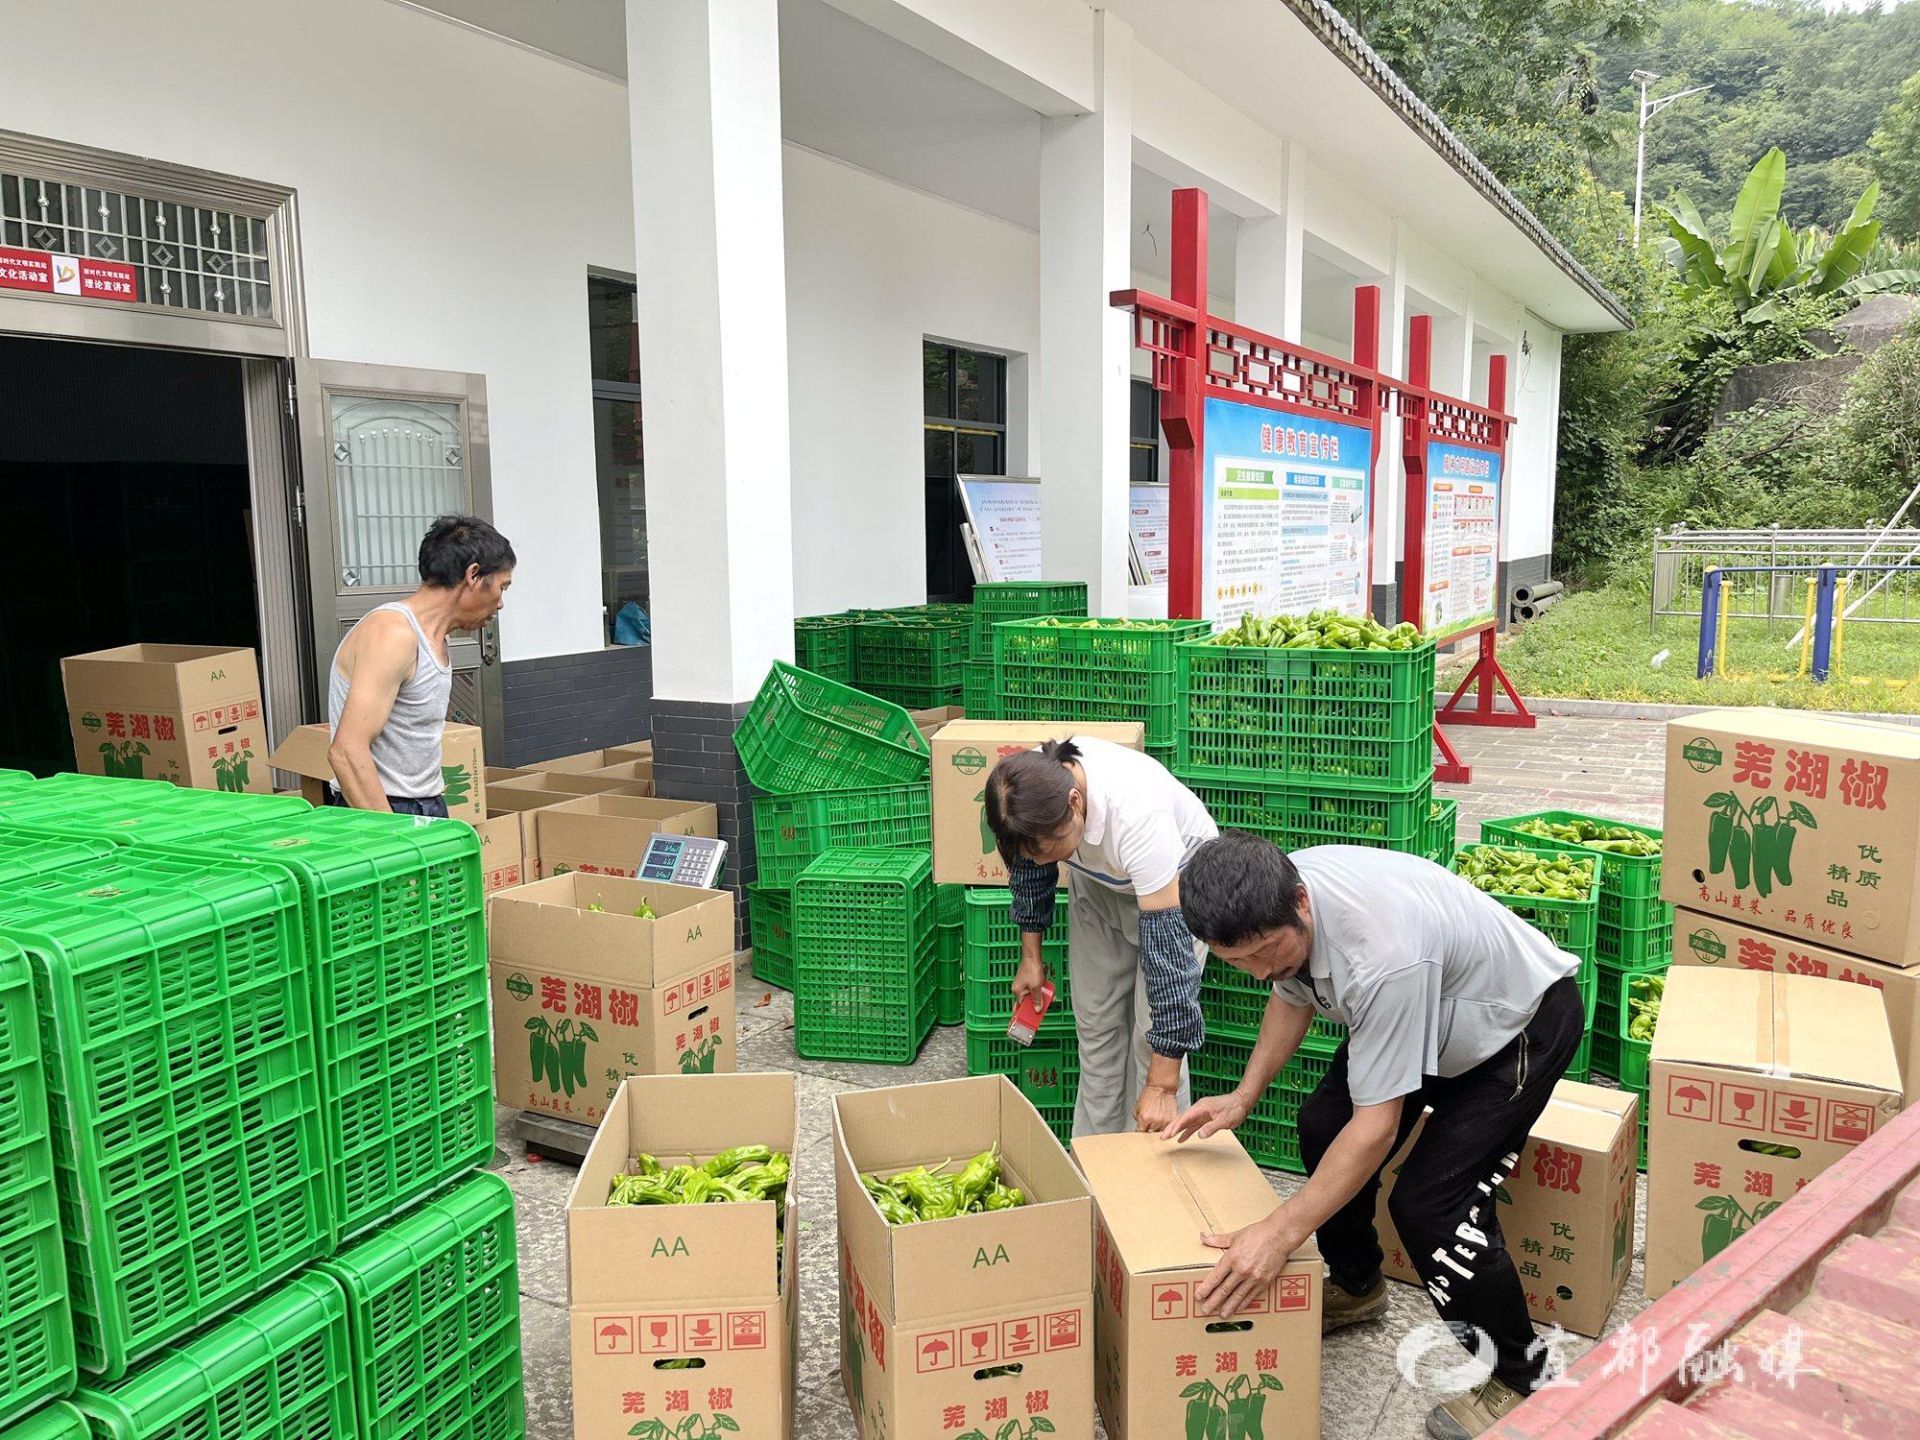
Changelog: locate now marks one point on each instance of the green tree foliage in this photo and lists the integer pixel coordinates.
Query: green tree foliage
(1895, 145)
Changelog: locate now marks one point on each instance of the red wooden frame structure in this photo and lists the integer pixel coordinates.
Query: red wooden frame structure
(1197, 356)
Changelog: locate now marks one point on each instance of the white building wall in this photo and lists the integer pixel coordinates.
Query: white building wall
(1533, 399)
(452, 193)
(873, 268)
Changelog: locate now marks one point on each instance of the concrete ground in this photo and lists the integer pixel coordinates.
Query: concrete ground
(1607, 766)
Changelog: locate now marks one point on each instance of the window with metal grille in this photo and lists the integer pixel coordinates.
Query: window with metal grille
(965, 416)
(174, 256)
(617, 445)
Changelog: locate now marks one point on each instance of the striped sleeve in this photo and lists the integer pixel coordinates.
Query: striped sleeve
(1033, 888)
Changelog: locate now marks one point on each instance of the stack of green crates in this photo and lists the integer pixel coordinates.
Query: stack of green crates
(1048, 1071)
(1099, 670)
(995, 602)
(1312, 746)
(951, 902)
(915, 659)
(770, 924)
(1634, 936)
(1573, 926)
(979, 694)
(866, 973)
(58, 1421)
(1442, 825)
(1233, 1003)
(823, 645)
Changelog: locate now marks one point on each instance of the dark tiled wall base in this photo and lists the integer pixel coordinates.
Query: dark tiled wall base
(1529, 570)
(1386, 601)
(563, 704)
(694, 759)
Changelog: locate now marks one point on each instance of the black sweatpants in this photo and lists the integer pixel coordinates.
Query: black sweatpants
(1442, 1201)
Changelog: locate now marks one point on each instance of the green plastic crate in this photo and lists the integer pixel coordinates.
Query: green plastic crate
(1296, 816)
(990, 956)
(1117, 670)
(770, 916)
(58, 1421)
(790, 832)
(919, 654)
(182, 1082)
(147, 812)
(1636, 1056)
(1631, 898)
(979, 695)
(1570, 924)
(1610, 1014)
(279, 1370)
(1437, 841)
(1362, 719)
(1234, 1002)
(803, 732)
(1581, 1066)
(866, 973)
(15, 777)
(36, 1325)
(823, 645)
(27, 854)
(1270, 1132)
(394, 912)
(1635, 949)
(996, 601)
(433, 1320)
(1047, 1072)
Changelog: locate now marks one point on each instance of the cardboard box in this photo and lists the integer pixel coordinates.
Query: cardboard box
(535, 791)
(190, 714)
(1743, 1061)
(1831, 855)
(607, 834)
(623, 754)
(633, 772)
(497, 773)
(578, 764)
(1723, 944)
(502, 853)
(1154, 1348)
(973, 1323)
(649, 1283)
(963, 752)
(1566, 1211)
(649, 997)
(463, 768)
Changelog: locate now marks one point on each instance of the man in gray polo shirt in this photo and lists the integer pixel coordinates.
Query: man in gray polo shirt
(1452, 1003)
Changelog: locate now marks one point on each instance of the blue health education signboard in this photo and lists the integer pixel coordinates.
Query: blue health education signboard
(1288, 522)
(1463, 540)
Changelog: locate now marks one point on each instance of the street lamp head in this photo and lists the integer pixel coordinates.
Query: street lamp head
(1644, 77)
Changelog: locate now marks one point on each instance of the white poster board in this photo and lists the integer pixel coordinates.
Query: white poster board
(1149, 517)
(1463, 540)
(1004, 512)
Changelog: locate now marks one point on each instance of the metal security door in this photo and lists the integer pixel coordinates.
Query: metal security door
(383, 451)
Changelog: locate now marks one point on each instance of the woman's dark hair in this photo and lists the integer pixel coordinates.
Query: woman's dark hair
(1237, 887)
(456, 541)
(1027, 797)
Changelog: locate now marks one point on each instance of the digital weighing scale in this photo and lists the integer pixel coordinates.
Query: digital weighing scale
(683, 860)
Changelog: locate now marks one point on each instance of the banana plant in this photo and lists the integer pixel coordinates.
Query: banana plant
(1764, 260)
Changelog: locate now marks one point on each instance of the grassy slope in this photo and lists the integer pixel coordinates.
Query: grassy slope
(1596, 645)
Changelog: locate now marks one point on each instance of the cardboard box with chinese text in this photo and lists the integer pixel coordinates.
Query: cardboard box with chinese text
(980, 1322)
(190, 714)
(964, 751)
(649, 1284)
(1800, 824)
(1758, 1083)
(463, 770)
(586, 993)
(1161, 1366)
(1566, 1211)
(1724, 944)
(607, 834)
(502, 856)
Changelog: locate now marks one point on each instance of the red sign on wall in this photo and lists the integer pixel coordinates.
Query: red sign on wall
(67, 275)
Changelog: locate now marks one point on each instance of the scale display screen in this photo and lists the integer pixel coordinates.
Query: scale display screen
(692, 860)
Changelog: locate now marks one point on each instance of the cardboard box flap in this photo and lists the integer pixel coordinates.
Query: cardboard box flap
(1587, 1116)
(1157, 1199)
(1119, 731)
(1900, 742)
(680, 1252)
(1777, 1025)
(618, 806)
(304, 752)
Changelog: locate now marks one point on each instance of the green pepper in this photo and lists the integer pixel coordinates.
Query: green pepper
(728, 1161)
(981, 1172)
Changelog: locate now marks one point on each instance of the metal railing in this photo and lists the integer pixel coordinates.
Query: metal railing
(1774, 565)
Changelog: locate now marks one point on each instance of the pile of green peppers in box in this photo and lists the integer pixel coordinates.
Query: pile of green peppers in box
(1319, 630)
(742, 1174)
(1525, 873)
(924, 1194)
(1594, 835)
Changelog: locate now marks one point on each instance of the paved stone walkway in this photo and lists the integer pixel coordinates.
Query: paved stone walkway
(1604, 765)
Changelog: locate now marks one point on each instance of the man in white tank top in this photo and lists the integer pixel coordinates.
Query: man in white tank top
(392, 677)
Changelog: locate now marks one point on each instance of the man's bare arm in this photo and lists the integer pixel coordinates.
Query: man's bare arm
(385, 658)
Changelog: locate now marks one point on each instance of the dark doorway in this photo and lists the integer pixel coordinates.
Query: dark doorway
(124, 517)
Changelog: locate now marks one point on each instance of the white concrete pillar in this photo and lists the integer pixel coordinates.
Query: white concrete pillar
(704, 105)
(1086, 198)
(1389, 479)
(1270, 258)
(1453, 351)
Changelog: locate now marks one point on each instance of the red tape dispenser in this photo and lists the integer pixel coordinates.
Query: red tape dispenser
(1028, 1014)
